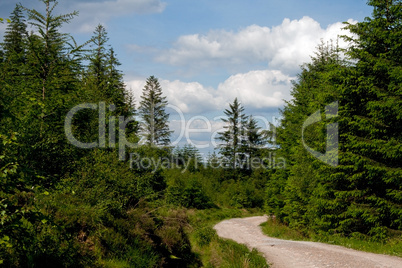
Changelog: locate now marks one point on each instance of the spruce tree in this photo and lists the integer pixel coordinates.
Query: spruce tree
(96, 74)
(372, 124)
(233, 137)
(14, 44)
(52, 88)
(13, 69)
(50, 52)
(155, 126)
(303, 194)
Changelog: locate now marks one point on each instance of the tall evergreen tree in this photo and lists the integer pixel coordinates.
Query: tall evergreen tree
(49, 49)
(13, 68)
(233, 137)
(155, 126)
(96, 73)
(52, 88)
(115, 88)
(303, 194)
(371, 122)
(103, 82)
(14, 43)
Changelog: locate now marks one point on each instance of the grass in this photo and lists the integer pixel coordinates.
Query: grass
(218, 252)
(392, 246)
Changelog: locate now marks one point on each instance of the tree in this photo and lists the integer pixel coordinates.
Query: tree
(254, 141)
(303, 194)
(52, 89)
(363, 192)
(371, 121)
(49, 48)
(188, 156)
(103, 82)
(13, 69)
(14, 44)
(155, 126)
(234, 136)
(97, 62)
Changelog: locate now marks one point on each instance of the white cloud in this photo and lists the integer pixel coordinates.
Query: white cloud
(257, 89)
(93, 13)
(284, 47)
(260, 89)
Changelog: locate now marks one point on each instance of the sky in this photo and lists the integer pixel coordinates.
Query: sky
(206, 53)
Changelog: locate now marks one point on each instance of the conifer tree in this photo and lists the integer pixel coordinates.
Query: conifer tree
(303, 194)
(50, 60)
(254, 140)
(96, 73)
(13, 69)
(233, 137)
(52, 88)
(372, 122)
(14, 44)
(155, 126)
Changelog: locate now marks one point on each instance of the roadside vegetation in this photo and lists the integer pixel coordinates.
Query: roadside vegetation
(391, 246)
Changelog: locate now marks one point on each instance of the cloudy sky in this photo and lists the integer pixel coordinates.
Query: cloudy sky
(207, 52)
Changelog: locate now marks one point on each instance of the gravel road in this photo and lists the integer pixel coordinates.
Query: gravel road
(285, 253)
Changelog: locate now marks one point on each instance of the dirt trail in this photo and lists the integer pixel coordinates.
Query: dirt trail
(299, 254)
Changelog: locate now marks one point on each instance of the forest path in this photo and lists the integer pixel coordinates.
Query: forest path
(298, 254)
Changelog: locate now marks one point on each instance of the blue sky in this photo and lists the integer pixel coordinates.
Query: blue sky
(205, 53)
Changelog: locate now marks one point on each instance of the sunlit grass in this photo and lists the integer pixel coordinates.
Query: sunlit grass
(218, 252)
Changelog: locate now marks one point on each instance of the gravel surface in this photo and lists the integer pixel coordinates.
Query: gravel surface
(286, 253)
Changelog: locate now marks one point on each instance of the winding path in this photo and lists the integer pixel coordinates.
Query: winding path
(299, 254)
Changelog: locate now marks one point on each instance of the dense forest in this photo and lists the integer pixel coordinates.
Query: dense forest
(90, 180)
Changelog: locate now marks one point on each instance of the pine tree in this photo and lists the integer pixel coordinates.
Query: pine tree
(233, 137)
(155, 126)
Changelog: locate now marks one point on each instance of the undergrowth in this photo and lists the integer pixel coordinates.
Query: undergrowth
(217, 252)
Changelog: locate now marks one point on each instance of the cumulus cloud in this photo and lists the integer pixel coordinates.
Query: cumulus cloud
(259, 89)
(284, 47)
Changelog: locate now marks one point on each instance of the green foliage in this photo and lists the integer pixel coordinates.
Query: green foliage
(62, 206)
(392, 245)
(187, 190)
(242, 194)
(231, 138)
(242, 140)
(188, 157)
(217, 252)
(152, 111)
(362, 193)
